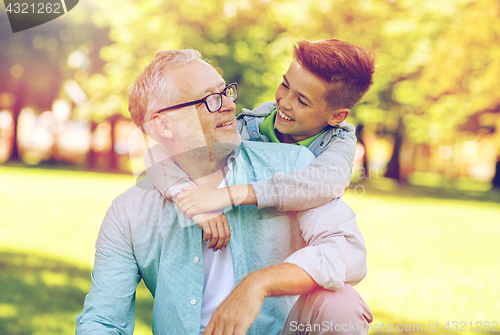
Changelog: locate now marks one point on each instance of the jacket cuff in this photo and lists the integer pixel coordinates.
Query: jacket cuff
(266, 194)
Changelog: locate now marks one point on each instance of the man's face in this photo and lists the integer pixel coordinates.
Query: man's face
(194, 126)
(302, 110)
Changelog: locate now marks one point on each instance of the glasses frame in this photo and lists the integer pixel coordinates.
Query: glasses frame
(204, 100)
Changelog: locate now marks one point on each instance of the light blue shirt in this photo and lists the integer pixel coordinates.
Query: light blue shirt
(141, 238)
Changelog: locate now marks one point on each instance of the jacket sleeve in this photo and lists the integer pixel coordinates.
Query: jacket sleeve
(317, 184)
(166, 176)
(110, 306)
(335, 251)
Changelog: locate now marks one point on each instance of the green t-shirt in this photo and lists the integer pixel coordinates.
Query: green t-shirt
(267, 128)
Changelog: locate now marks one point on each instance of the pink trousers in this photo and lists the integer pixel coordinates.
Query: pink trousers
(328, 312)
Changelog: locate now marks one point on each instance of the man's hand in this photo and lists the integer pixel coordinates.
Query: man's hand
(215, 228)
(195, 200)
(240, 309)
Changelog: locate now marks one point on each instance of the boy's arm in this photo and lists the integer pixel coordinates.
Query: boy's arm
(195, 200)
(163, 173)
(317, 184)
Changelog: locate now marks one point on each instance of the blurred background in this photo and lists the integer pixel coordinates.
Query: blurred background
(426, 186)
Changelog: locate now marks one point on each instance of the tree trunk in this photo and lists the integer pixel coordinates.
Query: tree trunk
(496, 179)
(366, 170)
(393, 171)
(14, 150)
(92, 155)
(16, 110)
(113, 156)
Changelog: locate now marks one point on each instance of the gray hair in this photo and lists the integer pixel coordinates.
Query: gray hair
(153, 89)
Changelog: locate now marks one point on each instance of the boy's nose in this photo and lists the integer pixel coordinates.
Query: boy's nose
(285, 102)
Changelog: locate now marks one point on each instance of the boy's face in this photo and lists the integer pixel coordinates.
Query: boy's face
(302, 111)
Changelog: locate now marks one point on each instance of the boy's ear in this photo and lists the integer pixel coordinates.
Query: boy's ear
(162, 127)
(338, 116)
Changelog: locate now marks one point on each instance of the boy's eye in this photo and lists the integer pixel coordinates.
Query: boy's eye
(302, 102)
(284, 85)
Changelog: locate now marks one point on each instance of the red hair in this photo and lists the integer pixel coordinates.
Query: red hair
(348, 68)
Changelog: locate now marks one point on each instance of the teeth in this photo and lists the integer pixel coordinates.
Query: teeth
(284, 116)
(225, 124)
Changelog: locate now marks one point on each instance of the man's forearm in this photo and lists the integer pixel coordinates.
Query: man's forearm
(282, 279)
(242, 306)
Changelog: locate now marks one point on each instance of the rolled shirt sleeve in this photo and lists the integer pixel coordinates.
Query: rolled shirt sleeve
(335, 251)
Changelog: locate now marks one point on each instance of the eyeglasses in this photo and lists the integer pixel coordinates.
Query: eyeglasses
(212, 101)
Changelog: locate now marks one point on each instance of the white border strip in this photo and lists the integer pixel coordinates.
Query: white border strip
(64, 6)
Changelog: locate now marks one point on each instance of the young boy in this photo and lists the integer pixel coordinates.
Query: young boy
(325, 80)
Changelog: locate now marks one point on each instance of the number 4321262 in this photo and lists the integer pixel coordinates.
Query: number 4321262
(39, 8)
(478, 326)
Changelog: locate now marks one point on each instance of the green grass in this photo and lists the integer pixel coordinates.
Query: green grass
(433, 253)
(49, 224)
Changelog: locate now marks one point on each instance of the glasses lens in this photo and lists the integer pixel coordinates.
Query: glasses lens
(231, 92)
(214, 102)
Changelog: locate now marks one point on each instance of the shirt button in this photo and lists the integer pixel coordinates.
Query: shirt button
(254, 133)
(196, 259)
(193, 302)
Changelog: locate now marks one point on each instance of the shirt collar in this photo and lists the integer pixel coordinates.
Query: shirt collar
(267, 128)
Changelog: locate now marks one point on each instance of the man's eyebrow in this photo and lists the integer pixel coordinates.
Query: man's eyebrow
(214, 89)
(300, 94)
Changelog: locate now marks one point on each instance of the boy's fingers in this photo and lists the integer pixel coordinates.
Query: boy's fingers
(187, 208)
(186, 214)
(181, 196)
(181, 203)
(190, 212)
(187, 188)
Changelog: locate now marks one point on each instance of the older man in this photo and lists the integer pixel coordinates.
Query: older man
(250, 286)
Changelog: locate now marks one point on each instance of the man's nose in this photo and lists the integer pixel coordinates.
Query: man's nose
(228, 105)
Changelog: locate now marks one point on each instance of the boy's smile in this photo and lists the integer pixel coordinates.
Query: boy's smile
(302, 110)
(283, 116)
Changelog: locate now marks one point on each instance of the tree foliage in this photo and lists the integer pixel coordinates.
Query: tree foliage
(421, 46)
(438, 62)
(34, 62)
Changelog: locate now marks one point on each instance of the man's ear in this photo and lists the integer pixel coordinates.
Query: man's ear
(338, 116)
(162, 127)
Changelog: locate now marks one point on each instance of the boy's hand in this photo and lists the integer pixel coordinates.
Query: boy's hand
(194, 200)
(215, 228)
